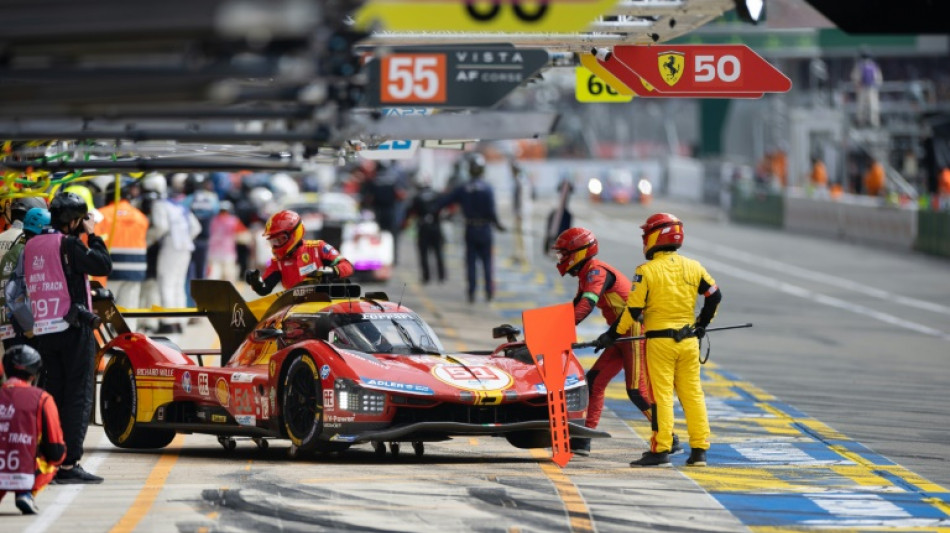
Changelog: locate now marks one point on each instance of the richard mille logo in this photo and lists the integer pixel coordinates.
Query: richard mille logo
(237, 317)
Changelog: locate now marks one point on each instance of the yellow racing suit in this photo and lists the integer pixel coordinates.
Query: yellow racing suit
(665, 289)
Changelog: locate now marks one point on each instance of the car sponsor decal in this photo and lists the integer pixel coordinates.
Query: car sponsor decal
(242, 377)
(334, 418)
(222, 391)
(307, 269)
(328, 400)
(342, 438)
(221, 419)
(265, 408)
(237, 317)
(473, 378)
(246, 420)
(242, 400)
(203, 385)
(162, 372)
(324, 371)
(571, 380)
(272, 368)
(396, 386)
(186, 382)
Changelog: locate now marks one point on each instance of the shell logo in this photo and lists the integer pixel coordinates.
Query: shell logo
(222, 392)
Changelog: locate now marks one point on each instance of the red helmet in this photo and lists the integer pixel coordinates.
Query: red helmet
(661, 231)
(284, 231)
(573, 247)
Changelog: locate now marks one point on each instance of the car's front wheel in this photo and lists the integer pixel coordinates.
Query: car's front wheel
(117, 403)
(301, 402)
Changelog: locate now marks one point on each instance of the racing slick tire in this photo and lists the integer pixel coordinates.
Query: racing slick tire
(117, 403)
(301, 402)
(529, 439)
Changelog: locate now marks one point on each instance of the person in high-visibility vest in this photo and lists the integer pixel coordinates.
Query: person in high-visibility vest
(31, 439)
(123, 228)
(665, 289)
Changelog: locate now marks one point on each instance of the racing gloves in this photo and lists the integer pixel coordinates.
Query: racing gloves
(606, 340)
(253, 278)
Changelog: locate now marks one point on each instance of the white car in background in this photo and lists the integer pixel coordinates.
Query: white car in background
(336, 218)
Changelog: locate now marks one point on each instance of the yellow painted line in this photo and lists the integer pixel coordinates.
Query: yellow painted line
(153, 486)
(579, 518)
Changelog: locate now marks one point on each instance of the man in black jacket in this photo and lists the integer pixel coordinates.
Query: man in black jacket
(64, 329)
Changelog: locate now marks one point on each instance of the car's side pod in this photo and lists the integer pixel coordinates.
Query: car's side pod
(227, 311)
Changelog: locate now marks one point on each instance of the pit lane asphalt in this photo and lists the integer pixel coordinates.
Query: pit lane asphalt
(486, 485)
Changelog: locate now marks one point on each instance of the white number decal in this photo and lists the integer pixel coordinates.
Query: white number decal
(11, 462)
(727, 69)
(414, 78)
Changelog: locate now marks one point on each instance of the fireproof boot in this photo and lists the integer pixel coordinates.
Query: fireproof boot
(26, 504)
(676, 448)
(697, 457)
(653, 459)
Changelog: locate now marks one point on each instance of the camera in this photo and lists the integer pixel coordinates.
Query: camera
(79, 315)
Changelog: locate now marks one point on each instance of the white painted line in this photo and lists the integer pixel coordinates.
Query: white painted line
(817, 297)
(811, 275)
(65, 494)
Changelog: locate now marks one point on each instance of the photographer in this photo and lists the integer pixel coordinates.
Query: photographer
(57, 266)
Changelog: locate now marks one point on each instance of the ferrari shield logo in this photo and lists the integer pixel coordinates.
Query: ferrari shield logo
(305, 257)
(671, 66)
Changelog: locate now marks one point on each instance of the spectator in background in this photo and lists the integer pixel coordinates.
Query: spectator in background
(203, 202)
(429, 239)
(874, 179)
(477, 200)
(818, 177)
(521, 203)
(173, 229)
(124, 229)
(382, 192)
(31, 413)
(943, 188)
(18, 331)
(867, 78)
(226, 230)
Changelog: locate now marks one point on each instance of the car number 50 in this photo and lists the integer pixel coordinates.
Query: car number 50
(726, 69)
(413, 78)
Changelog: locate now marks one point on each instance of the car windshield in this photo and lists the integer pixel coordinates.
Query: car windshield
(396, 333)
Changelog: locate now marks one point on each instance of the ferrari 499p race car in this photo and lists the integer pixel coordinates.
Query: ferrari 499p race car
(326, 368)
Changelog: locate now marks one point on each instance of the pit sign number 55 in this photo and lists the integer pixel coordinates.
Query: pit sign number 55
(413, 78)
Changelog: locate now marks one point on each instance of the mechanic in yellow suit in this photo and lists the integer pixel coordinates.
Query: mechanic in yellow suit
(665, 289)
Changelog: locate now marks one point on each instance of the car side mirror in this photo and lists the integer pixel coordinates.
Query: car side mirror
(506, 330)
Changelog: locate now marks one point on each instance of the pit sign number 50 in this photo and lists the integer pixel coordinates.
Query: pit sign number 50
(726, 69)
(413, 78)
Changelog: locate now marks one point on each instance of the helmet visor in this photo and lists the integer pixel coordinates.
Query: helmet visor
(279, 239)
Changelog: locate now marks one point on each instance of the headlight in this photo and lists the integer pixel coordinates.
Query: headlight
(355, 399)
(645, 187)
(594, 186)
(576, 399)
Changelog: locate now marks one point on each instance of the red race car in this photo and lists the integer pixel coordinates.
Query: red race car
(326, 368)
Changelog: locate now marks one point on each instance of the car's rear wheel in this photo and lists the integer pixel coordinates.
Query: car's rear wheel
(301, 402)
(117, 403)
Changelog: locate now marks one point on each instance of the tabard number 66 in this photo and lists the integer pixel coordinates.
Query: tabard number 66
(485, 11)
(413, 78)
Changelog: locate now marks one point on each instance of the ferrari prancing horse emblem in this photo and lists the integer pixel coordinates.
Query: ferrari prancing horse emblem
(671, 66)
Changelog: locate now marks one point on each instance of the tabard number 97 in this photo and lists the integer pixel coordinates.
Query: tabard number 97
(413, 78)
